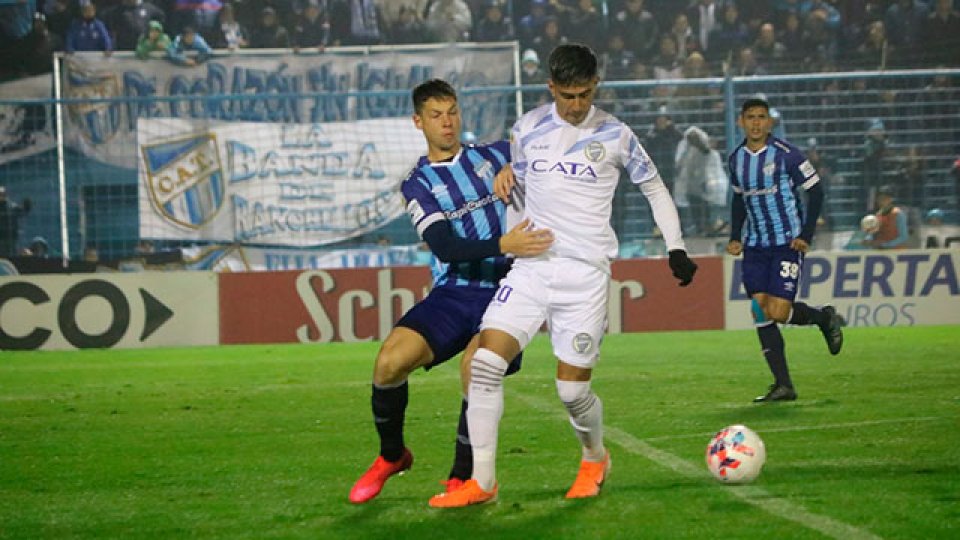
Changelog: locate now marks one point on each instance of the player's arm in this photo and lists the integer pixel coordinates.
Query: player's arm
(804, 175)
(452, 248)
(738, 213)
(643, 172)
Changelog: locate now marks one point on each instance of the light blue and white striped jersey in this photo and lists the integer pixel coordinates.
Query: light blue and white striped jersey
(461, 191)
(768, 181)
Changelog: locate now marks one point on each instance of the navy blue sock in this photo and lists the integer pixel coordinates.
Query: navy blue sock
(805, 315)
(774, 350)
(463, 456)
(389, 407)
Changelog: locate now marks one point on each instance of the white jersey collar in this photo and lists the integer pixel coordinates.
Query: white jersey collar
(559, 119)
(447, 163)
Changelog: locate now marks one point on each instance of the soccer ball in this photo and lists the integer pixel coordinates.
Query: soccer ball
(870, 223)
(735, 455)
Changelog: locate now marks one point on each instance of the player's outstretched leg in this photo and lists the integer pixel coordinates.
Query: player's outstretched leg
(389, 407)
(826, 318)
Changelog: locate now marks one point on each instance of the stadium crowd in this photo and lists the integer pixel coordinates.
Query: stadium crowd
(638, 39)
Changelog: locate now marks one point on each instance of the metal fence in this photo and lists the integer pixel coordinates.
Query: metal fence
(862, 130)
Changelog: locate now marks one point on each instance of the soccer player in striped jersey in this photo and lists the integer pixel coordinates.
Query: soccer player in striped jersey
(450, 199)
(766, 174)
(568, 157)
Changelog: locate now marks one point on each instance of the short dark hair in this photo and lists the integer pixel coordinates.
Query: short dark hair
(754, 102)
(434, 88)
(572, 63)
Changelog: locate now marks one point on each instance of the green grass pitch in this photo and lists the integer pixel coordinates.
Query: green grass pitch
(265, 442)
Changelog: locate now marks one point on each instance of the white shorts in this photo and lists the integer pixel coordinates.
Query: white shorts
(569, 294)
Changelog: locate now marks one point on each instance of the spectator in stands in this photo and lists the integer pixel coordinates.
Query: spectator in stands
(790, 35)
(312, 29)
(39, 248)
(551, 38)
(704, 16)
(450, 20)
(35, 55)
(60, 13)
(781, 9)
(10, 215)
(409, 27)
(88, 33)
(747, 65)
(230, 34)
(530, 71)
(769, 52)
(638, 28)
(668, 64)
(154, 40)
(617, 61)
(128, 22)
(702, 102)
(875, 52)
(356, 22)
(661, 145)
(905, 21)
(727, 37)
(493, 26)
(826, 168)
(875, 149)
(189, 41)
(531, 25)
(683, 36)
(701, 185)
(757, 10)
(893, 232)
(583, 24)
(268, 33)
(16, 23)
(942, 34)
(16, 20)
(201, 15)
(832, 15)
(819, 42)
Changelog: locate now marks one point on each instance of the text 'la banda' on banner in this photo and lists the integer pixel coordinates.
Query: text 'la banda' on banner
(276, 184)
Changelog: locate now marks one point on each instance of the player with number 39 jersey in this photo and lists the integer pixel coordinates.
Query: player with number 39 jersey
(766, 173)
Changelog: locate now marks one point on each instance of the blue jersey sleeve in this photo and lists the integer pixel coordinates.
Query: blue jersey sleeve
(422, 206)
(802, 173)
(501, 151)
(735, 184)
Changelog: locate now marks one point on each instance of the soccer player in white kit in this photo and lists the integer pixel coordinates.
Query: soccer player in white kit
(567, 157)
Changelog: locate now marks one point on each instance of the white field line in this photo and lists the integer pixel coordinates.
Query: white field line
(842, 425)
(751, 495)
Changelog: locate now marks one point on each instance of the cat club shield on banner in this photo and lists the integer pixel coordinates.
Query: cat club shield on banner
(97, 121)
(185, 179)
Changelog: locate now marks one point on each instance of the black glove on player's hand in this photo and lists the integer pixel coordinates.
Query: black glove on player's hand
(683, 268)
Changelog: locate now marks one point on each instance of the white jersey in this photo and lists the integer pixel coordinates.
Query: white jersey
(569, 174)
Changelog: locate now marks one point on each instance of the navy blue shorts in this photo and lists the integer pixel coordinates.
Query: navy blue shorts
(774, 271)
(448, 318)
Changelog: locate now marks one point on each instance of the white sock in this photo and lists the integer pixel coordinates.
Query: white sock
(485, 408)
(586, 417)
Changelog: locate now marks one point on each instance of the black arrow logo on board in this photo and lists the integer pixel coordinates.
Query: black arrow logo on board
(155, 314)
